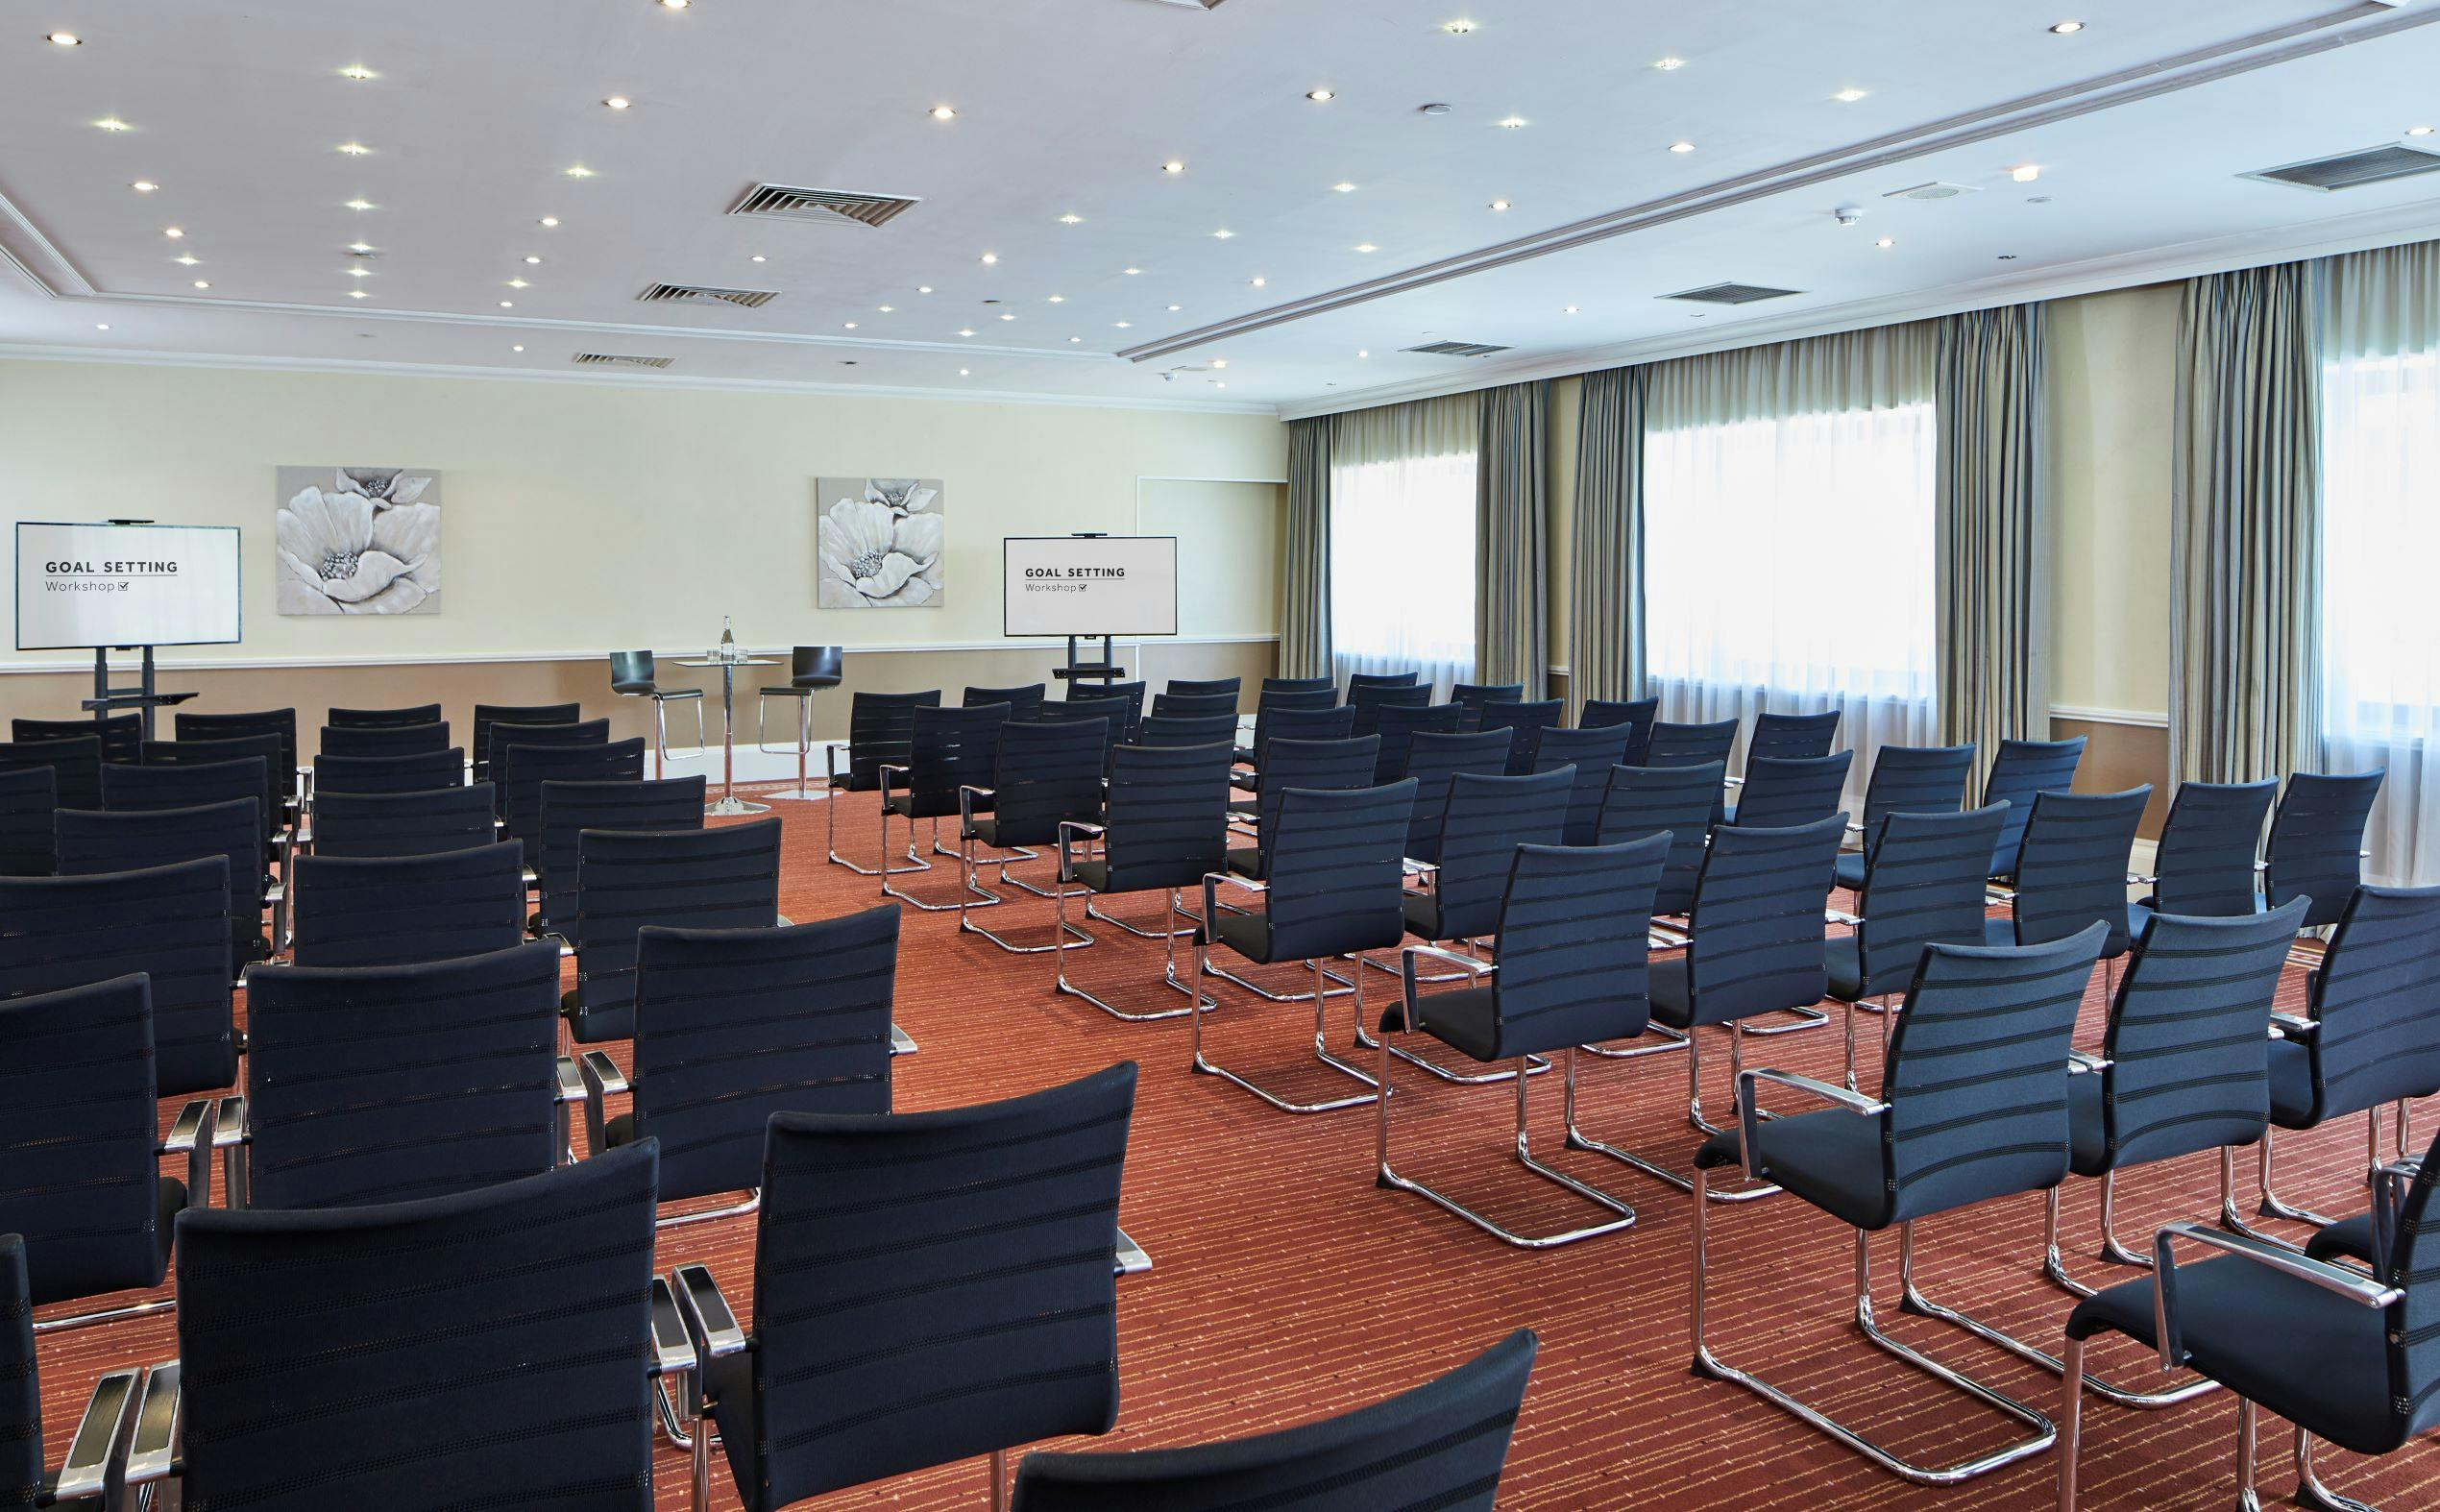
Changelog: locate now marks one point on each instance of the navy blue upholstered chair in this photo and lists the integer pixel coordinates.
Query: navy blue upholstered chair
(1049, 774)
(79, 1117)
(1130, 693)
(487, 715)
(1524, 723)
(1973, 1107)
(519, 771)
(1327, 766)
(1335, 886)
(569, 809)
(1272, 685)
(119, 841)
(2071, 868)
(976, 1310)
(2317, 839)
(386, 719)
(205, 730)
(411, 823)
(950, 750)
(135, 789)
(417, 771)
(122, 734)
(75, 765)
(880, 733)
(101, 1434)
(1398, 726)
(1205, 687)
(1922, 886)
(1672, 744)
(1441, 1445)
(1592, 750)
(1433, 761)
(2020, 772)
(1636, 714)
(1022, 701)
(1784, 791)
(1474, 697)
(1369, 701)
(381, 1084)
(545, 1282)
(29, 834)
(735, 1025)
(1793, 737)
(381, 739)
(505, 737)
(169, 922)
(1572, 924)
(1356, 680)
(1671, 800)
(1121, 719)
(395, 910)
(1329, 721)
(1300, 693)
(1908, 779)
(165, 761)
(1174, 730)
(725, 878)
(2205, 861)
(1165, 825)
(1194, 705)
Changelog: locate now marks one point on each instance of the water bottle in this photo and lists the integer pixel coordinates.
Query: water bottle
(729, 641)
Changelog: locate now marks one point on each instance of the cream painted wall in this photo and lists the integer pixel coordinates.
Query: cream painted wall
(1227, 551)
(580, 517)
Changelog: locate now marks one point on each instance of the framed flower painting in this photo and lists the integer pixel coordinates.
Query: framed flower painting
(359, 540)
(877, 543)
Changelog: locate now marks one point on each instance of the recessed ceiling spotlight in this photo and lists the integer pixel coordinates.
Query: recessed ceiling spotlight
(1219, 362)
(618, 102)
(1123, 324)
(990, 258)
(944, 112)
(358, 294)
(112, 123)
(1436, 107)
(359, 205)
(2025, 173)
(143, 185)
(357, 72)
(68, 40)
(2418, 131)
(965, 333)
(579, 171)
(101, 327)
(507, 304)
(1850, 96)
(360, 248)
(1257, 282)
(203, 283)
(849, 325)
(530, 261)
(359, 273)
(1366, 246)
(1886, 242)
(1173, 165)
(354, 148)
(1072, 340)
(1498, 204)
(1130, 272)
(965, 371)
(674, 5)
(1059, 298)
(187, 262)
(1457, 28)
(2068, 28)
(1071, 218)
(1363, 353)
(888, 308)
(1342, 188)
(517, 348)
(1320, 96)
(172, 232)
(549, 220)
(1514, 122)
(1569, 310)
(514, 283)
(759, 257)
(1175, 309)
(1005, 315)
(1681, 147)
(1223, 233)
(1216, 383)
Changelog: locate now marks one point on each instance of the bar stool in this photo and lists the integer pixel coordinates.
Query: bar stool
(810, 668)
(632, 676)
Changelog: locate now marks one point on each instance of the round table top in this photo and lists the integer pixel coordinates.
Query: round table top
(742, 661)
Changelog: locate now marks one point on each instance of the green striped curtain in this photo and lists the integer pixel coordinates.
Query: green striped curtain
(1993, 532)
(1304, 588)
(1512, 492)
(1605, 602)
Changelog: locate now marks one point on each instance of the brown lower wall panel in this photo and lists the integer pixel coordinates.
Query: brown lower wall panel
(2118, 757)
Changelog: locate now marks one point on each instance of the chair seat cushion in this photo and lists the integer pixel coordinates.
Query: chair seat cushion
(596, 1026)
(2346, 1239)
(1246, 861)
(1463, 1018)
(1850, 871)
(1423, 915)
(788, 692)
(855, 782)
(1093, 874)
(2291, 1085)
(2088, 1141)
(927, 805)
(1670, 1003)
(1249, 935)
(1843, 957)
(617, 1132)
(1831, 1157)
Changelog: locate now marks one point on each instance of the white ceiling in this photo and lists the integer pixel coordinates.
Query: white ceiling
(2140, 123)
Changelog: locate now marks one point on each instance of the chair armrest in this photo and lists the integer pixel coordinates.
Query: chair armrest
(152, 1451)
(1418, 868)
(100, 1441)
(2288, 1026)
(1071, 829)
(673, 1351)
(1749, 1111)
(601, 1073)
(194, 1135)
(967, 793)
(232, 1126)
(1211, 904)
(2338, 1281)
(1732, 782)
(1834, 916)
(572, 1081)
(883, 773)
(1853, 828)
(1413, 1018)
(2082, 1062)
(710, 1328)
(2138, 879)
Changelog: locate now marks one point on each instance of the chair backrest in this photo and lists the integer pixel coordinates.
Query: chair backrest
(1673, 800)
(1977, 1073)
(1433, 761)
(1119, 717)
(816, 666)
(631, 673)
(395, 910)
(281, 724)
(122, 734)
(383, 719)
(1922, 885)
(1022, 701)
(1757, 919)
(487, 715)
(1320, 765)
(29, 837)
(1398, 726)
(21, 1482)
(1175, 730)
(1168, 816)
(1368, 702)
(79, 1115)
(1916, 779)
(1441, 1445)
(1336, 884)
(521, 770)
(1471, 696)
(1356, 680)
(881, 733)
(545, 1282)
(419, 772)
(2020, 772)
(1528, 721)
(75, 765)
(734, 1025)
(1784, 791)
(1792, 737)
(1133, 694)
(2071, 870)
(1272, 685)
(2413, 1331)
(582, 732)
(2205, 861)
(1485, 820)
(998, 1221)
(121, 839)
(2317, 841)
(379, 1083)
(1049, 772)
(725, 878)
(953, 748)
(1636, 714)
(2379, 1003)
(1592, 750)
(1315, 723)
(569, 809)
(169, 922)
(1672, 744)
(1194, 705)
(1574, 945)
(1205, 687)
(381, 740)
(187, 784)
(2190, 1033)
(412, 823)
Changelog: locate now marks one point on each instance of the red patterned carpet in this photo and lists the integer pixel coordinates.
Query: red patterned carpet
(1285, 1286)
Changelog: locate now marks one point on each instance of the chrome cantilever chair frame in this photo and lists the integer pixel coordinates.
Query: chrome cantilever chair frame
(802, 749)
(1070, 830)
(1205, 934)
(1534, 1064)
(967, 891)
(1691, 1044)
(830, 764)
(967, 793)
(2293, 1026)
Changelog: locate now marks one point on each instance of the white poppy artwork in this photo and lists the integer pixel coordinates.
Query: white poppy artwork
(878, 543)
(359, 540)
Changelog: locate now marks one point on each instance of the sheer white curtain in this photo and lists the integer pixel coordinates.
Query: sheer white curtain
(2380, 537)
(1788, 535)
(1402, 540)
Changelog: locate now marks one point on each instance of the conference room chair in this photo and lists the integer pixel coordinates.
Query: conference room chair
(122, 734)
(1309, 766)
(1442, 1444)
(1273, 724)
(83, 1184)
(2071, 871)
(521, 772)
(733, 1026)
(1119, 718)
(2022, 771)
(1590, 751)
(380, 739)
(1272, 685)
(633, 676)
(411, 823)
(1356, 680)
(1527, 723)
(124, 839)
(1973, 1107)
(1907, 779)
(170, 923)
(1369, 701)
(1571, 971)
(75, 765)
(184, 781)
(487, 715)
(101, 1434)
(1022, 701)
(419, 772)
(1131, 694)
(383, 718)
(1333, 888)
(29, 837)
(1472, 696)
(880, 733)
(725, 878)
(1756, 948)
(1172, 731)
(1792, 737)
(951, 749)
(1784, 791)
(2204, 862)
(1676, 801)
(2343, 1356)
(1435, 761)
(972, 1315)
(2317, 839)
(1165, 825)
(395, 910)
(504, 736)
(811, 670)
(1046, 775)
(528, 1308)
(381, 1084)
(281, 724)
(1635, 714)
(1398, 726)
(1675, 745)
(1922, 886)
(569, 809)
(1204, 686)
(1194, 705)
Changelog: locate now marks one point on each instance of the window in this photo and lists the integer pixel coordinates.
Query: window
(1402, 540)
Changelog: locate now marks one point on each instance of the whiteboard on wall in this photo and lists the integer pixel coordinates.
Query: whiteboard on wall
(1091, 585)
(88, 585)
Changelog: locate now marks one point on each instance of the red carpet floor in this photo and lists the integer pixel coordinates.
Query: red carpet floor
(1285, 1286)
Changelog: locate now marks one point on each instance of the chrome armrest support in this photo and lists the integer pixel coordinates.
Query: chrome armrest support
(883, 772)
(2338, 1281)
(673, 1351)
(1414, 1017)
(1418, 868)
(2138, 879)
(1749, 1111)
(1073, 829)
(1834, 916)
(2082, 1062)
(1732, 782)
(1211, 904)
(2288, 1026)
(194, 1135)
(967, 793)
(101, 1438)
(152, 1451)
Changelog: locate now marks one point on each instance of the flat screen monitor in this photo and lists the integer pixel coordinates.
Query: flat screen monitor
(88, 585)
(1091, 585)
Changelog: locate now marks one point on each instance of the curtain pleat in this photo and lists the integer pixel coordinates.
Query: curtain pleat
(1605, 622)
(1512, 492)
(1994, 533)
(1305, 590)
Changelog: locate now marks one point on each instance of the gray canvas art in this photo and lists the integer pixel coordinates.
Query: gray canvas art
(359, 540)
(878, 543)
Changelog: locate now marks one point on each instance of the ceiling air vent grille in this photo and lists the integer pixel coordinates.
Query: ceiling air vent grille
(1456, 349)
(702, 294)
(1731, 294)
(605, 359)
(2352, 170)
(823, 207)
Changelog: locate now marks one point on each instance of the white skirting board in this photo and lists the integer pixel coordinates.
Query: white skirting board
(752, 765)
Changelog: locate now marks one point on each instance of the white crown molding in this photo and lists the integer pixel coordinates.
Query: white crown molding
(2140, 718)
